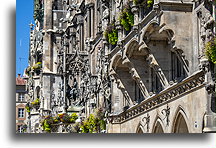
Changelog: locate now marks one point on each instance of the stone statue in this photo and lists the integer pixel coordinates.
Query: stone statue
(37, 28)
(74, 91)
(105, 18)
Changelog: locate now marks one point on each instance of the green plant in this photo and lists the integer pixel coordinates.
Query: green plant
(49, 121)
(94, 123)
(46, 123)
(111, 34)
(37, 66)
(210, 50)
(89, 125)
(74, 117)
(65, 118)
(36, 102)
(148, 3)
(28, 108)
(127, 18)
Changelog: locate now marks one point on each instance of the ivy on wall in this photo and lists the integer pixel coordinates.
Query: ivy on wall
(148, 3)
(111, 34)
(127, 18)
(210, 50)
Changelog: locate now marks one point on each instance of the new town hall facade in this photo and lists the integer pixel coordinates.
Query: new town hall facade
(142, 62)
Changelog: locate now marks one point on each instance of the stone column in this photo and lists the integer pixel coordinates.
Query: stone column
(64, 79)
(121, 87)
(135, 76)
(182, 60)
(210, 116)
(214, 17)
(88, 23)
(120, 32)
(81, 39)
(106, 54)
(135, 11)
(47, 40)
(92, 21)
(153, 64)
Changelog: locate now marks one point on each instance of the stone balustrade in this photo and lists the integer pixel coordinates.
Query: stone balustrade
(170, 94)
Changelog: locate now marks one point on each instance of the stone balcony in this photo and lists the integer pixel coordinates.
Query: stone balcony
(170, 94)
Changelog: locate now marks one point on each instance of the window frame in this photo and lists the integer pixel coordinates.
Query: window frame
(21, 97)
(21, 111)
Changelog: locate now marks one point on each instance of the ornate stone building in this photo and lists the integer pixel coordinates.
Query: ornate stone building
(142, 61)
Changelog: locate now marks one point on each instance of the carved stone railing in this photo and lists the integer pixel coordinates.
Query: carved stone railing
(64, 128)
(170, 94)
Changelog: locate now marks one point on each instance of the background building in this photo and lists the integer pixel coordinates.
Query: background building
(143, 64)
(21, 115)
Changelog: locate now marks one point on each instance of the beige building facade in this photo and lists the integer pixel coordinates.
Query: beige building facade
(21, 114)
(142, 61)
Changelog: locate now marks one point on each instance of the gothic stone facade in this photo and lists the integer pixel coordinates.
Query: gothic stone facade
(154, 78)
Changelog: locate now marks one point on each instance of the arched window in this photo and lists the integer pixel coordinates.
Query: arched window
(178, 72)
(139, 131)
(180, 125)
(37, 92)
(158, 128)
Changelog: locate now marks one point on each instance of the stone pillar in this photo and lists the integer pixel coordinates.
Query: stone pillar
(135, 11)
(92, 20)
(210, 116)
(182, 60)
(135, 76)
(214, 16)
(64, 79)
(153, 63)
(120, 32)
(47, 40)
(81, 38)
(48, 14)
(121, 87)
(106, 55)
(88, 23)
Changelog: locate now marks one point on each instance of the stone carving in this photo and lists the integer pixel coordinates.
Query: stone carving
(191, 84)
(105, 16)
(166, 113)
(153, 63)
(145, 122)
(206, 31)
(74, 91)
(38, 11)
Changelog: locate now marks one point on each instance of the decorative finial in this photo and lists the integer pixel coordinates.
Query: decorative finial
(31, 26)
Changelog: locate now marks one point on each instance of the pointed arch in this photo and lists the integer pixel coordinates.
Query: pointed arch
(180, 123)
(158, 126)
(148, 29)
(37, 92)
(115, 61)
(131, 47)
(139, 129)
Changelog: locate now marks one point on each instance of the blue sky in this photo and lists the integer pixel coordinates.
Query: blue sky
(24, 16)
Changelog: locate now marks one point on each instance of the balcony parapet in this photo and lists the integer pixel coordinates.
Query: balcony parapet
(133, 33)
(175, 91)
